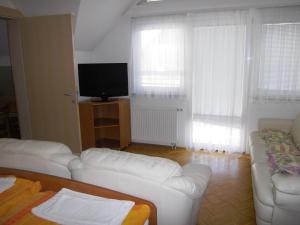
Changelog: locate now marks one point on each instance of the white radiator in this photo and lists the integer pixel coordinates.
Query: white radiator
(155, 125)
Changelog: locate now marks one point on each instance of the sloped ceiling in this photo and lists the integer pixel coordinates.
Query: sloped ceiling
(94, 18)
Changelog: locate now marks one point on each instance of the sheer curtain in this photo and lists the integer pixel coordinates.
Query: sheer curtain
(276, 68)
(200, 57)
(158, 54)
(219, 81)
(217, 62)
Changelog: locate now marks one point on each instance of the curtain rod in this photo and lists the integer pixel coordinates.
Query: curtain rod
(211, 9)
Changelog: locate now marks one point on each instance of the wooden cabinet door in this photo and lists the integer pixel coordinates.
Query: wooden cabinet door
(49, 68)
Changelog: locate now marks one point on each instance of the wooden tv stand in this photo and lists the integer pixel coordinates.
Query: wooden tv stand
(105, 124)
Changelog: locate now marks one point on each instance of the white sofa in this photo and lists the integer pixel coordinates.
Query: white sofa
(276, 197)
(176, 191)
(38, 156)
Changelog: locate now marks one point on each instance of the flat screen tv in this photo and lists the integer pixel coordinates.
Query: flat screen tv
(103, 80)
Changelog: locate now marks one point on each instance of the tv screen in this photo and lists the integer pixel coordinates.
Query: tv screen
(103, 80)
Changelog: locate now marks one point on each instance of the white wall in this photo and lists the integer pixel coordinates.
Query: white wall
(83, 56)
(115, 47)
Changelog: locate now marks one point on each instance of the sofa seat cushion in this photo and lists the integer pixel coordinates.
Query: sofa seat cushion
(262, 183)
(287, 184)
(152, 168)
(287, 191)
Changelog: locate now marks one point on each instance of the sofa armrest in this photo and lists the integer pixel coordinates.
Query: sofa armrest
(193, 181)
(185, 185)
(199, 174)
(75, 164)
(287, 191)
(278, 124)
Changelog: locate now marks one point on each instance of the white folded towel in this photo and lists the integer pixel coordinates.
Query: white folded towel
(6, 183)
(74, 208)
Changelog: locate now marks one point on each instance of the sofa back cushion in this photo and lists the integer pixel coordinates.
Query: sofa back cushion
(43, 149)
(151, 168)
(296, 131)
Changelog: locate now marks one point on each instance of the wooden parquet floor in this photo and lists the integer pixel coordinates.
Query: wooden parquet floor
(228, 199)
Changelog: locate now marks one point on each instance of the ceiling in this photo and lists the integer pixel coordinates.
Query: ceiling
(94, 18)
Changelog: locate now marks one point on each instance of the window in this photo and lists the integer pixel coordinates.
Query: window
(218, 86)
(161, 63)
(158, 60)
(279, 72)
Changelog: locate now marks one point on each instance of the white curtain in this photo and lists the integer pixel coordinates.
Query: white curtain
(276, 68)
(219, 81)
(218, 62)
(158, 54)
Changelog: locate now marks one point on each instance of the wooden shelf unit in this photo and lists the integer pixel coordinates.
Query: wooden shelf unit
(105, 124)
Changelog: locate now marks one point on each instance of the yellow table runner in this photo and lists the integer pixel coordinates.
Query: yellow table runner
(16, 204)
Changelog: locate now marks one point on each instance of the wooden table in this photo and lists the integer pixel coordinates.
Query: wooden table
(53, 183)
